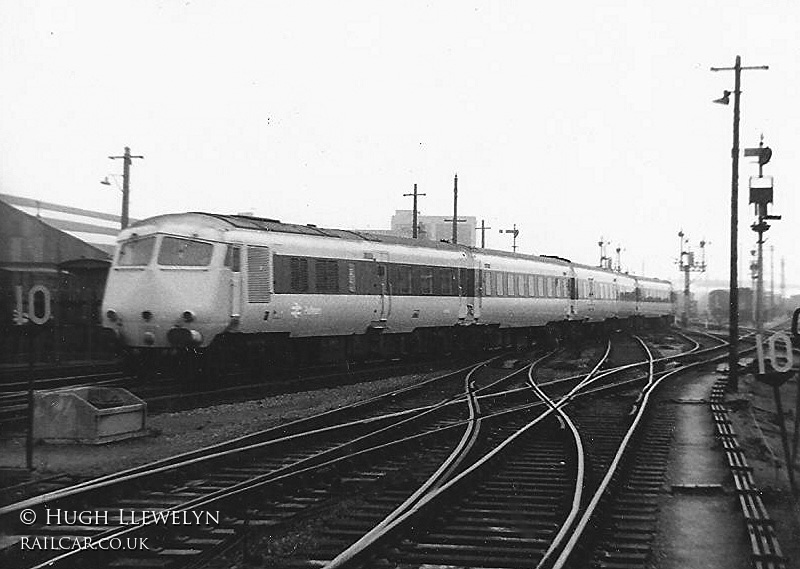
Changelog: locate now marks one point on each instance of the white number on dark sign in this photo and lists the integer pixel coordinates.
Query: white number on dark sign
(37, 293)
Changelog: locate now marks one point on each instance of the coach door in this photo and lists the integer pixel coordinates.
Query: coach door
(480, 275)
(383, 285)
(233, 261)
(572, 291)
(466, 292)
(590, 293)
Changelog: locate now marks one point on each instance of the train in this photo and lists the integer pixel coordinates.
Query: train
(719, 305)
(280, 293)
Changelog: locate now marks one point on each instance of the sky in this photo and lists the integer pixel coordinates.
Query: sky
(574, 120)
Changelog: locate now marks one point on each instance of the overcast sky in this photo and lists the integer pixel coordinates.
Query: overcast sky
(573, 120)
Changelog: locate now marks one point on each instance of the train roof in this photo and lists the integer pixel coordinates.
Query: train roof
(267, 224)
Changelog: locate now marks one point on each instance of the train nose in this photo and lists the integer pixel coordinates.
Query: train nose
(184, 337)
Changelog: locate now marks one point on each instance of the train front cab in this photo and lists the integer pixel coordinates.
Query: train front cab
(171, 291)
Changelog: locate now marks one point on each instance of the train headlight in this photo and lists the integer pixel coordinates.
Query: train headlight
(188, 316)
(149, 338)
(112, 315)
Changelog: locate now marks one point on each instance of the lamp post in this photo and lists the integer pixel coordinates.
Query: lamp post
(126, 177)
(733, 307)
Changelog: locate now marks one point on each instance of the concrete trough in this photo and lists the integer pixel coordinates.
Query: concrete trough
(88, 415)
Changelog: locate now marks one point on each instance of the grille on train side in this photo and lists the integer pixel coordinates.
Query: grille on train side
(259, 275)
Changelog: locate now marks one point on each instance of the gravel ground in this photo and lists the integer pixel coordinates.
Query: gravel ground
(173, 433)
(755, 420)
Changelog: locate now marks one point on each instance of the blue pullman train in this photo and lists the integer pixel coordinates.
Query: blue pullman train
(284, 293)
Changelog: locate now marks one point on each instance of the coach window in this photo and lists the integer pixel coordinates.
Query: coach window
(403, 285)
(451, 278)
(499, 279)
(351, 277)
(298, 271)
(136, 253)
(326, 273)
(426, 280)
(233, 258)
(184, 253)
(487, 283)
(521, 286)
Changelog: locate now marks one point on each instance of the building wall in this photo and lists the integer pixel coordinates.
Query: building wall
(434, 227)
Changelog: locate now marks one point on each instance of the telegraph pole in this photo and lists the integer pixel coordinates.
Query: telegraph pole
(415, 225)
(483, 229)
(455, 219)
(455, 210)
(126, 181)
(733, 307)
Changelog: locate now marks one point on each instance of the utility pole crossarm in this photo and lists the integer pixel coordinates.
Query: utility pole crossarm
(740, 67)
(483, 229)
(414, 224)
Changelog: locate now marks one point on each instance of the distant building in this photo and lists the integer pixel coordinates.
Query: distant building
(431, 227)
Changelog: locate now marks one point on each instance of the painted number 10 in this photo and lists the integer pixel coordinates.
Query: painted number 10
(38, 298)
(782, 364)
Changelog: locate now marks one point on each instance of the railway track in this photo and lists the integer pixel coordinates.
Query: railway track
(167, 393)
(249, 463)
(443, 440)
(456, 535)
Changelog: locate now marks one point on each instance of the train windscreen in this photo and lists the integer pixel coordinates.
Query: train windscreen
(136, 253)
(177, 252)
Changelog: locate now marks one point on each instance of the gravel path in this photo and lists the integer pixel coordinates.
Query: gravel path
(174, 433)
